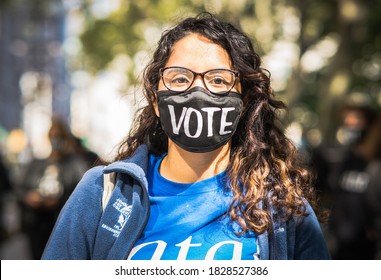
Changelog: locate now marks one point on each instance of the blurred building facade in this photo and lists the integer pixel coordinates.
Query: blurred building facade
(33, 76)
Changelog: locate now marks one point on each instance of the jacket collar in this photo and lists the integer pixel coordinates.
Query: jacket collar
(134, 166)
(139, 158)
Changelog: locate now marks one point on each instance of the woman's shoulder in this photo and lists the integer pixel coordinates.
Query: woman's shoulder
(94, 173)
(91, 183)
(309, 218)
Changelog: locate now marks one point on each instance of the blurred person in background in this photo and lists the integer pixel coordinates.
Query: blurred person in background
(47, 183)
(5, 188)
(90, 156)
(344, 174)
(373, 149)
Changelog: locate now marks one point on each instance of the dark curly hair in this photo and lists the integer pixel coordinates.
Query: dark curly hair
(264, 172)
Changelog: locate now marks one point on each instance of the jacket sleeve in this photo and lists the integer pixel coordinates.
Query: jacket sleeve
(74, 233)
(309, 239)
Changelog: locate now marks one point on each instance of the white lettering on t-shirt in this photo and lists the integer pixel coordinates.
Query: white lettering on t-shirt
(158, 251)
(185, 247)
(237, 249)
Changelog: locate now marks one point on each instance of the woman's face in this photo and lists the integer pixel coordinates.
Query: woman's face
(198, 54)
(198, 121)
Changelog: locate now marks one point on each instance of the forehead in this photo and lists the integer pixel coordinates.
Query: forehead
(198, 53)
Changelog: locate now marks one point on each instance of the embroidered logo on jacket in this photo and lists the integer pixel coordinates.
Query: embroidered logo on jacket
(123, 214)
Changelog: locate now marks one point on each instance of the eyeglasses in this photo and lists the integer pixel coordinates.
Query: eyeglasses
(217, 81)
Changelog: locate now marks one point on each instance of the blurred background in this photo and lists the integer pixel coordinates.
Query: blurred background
(79, 63)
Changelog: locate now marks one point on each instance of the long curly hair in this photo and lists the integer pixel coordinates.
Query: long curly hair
(264, 171)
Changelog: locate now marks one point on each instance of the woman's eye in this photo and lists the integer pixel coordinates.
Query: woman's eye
(218, 81)
(179, 80)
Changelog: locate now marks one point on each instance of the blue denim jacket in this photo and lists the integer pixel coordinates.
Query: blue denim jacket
(85, 231)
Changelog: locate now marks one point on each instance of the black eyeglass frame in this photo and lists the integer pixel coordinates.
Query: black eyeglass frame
(195, 74)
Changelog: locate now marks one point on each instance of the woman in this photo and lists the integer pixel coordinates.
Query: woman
(205, 173)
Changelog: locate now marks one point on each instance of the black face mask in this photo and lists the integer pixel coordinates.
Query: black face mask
(197, 120)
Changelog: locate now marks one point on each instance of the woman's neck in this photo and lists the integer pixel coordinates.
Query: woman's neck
(186, 167)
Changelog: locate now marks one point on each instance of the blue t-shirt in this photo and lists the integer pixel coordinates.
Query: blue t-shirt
(189, 222)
